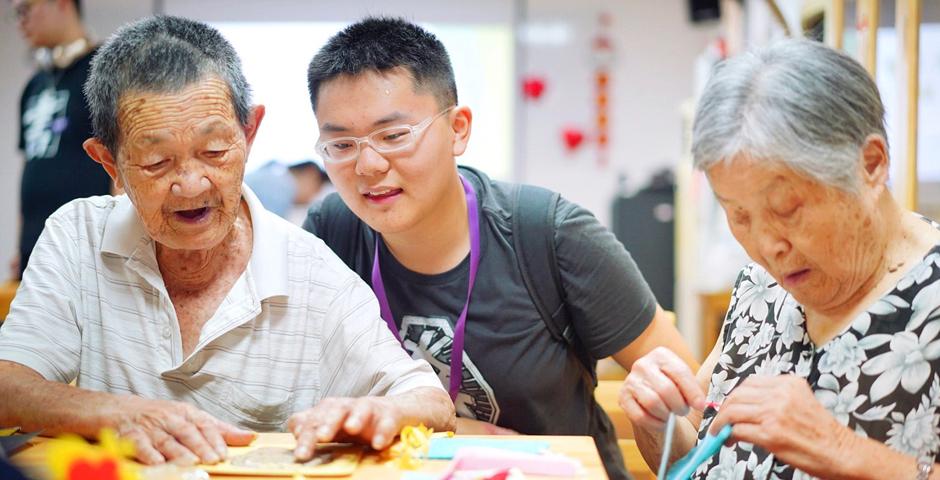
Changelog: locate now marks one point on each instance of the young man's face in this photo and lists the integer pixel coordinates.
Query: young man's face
(393, 192)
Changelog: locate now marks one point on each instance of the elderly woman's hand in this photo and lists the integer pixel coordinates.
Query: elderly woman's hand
(659, 383)
(170, 431)
(781, 414)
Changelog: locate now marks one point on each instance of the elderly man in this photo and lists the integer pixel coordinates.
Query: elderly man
(185, 311)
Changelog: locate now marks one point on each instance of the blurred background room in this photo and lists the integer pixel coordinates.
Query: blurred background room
(591, 98)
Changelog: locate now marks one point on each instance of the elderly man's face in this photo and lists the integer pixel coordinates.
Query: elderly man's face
(820, 243)
(181, 162)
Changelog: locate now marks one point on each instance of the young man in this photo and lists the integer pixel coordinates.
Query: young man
(54, 119)
(447, 275)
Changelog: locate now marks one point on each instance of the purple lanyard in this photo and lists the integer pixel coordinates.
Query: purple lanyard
(456, 355)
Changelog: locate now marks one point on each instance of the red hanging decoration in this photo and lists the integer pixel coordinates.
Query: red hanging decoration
(532, 87)
(573, 137)
(603, 52)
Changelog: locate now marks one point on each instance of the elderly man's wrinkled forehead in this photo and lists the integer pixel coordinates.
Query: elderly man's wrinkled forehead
(203, 107)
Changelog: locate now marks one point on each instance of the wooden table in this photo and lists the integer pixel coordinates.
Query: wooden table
(374, 466)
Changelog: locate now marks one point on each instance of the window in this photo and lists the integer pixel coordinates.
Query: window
(275, 56)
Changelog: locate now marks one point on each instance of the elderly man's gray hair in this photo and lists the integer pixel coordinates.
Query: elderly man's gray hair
(159, 55)
(797, 102)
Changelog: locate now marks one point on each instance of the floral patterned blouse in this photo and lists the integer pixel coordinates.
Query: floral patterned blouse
(880, 377)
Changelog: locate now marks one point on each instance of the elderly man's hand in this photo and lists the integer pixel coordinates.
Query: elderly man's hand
(373, 420)
(169, 431)
(782, 415)
(659, 383)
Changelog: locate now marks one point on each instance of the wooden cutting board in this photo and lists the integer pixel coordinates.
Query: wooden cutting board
(273, 457)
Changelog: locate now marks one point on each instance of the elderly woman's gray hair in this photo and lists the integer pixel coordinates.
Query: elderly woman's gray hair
(797, 102)
(159, 55)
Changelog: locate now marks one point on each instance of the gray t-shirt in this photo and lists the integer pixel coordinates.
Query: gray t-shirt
(515, 374)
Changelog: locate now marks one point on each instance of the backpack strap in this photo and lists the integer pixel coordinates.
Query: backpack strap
(533, 238)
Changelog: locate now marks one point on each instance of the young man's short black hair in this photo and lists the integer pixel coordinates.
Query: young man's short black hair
(380, 44)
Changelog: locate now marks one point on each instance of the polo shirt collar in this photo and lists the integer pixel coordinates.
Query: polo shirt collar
(123, 230)
(268, 262)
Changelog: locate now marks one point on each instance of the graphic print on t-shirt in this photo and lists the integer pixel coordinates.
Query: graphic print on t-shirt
(431, 339)
(44, 120)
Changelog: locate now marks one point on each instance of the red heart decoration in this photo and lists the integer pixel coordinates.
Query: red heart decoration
(533, 87)
(573, 137)
(84, 470)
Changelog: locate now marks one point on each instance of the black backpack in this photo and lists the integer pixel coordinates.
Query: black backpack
(533, 219)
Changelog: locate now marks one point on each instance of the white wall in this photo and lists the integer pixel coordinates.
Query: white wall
(476, 11)
(655, 47)
(478, 37)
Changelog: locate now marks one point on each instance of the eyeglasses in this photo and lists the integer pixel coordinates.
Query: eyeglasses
(385, 140)
(22, 9)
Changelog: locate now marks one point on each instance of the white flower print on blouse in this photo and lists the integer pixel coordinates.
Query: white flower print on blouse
(760, 468)
(759, 342)
(790, 327)
(728, 466)
(914, 433)
(800, 475)
(842, 357)
(920, 273)
(755, 294)
(720, 386)
(887, 305)
(773, 366)
(840, 403)
(907, 362)
(924, 305)
(880, 377)
(740, 333)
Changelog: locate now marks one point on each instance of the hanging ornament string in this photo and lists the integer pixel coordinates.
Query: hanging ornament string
(456, 355)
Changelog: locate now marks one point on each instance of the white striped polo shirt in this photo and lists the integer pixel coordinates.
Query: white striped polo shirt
(297, 326)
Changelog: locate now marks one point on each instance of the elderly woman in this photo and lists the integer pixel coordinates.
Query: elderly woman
(829, 360)
(184, 311)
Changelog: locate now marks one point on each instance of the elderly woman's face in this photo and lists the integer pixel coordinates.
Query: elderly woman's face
(181, 161)
(819, 242)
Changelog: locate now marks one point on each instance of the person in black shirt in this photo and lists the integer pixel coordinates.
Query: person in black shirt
(54, 119)
(437, 245)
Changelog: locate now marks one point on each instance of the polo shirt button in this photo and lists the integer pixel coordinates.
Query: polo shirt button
(166, 332)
